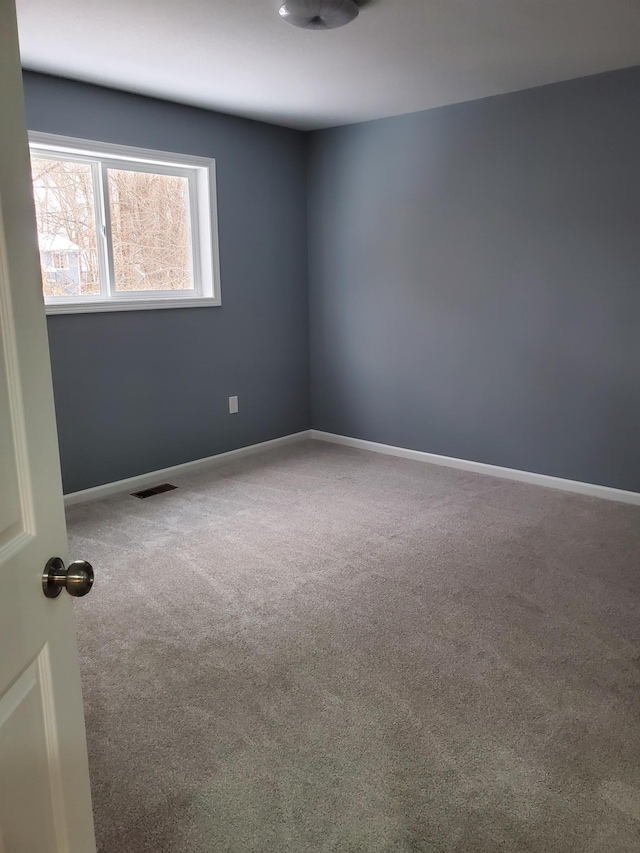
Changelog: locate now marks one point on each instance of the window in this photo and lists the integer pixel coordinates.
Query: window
(60, 260)
(123, 228)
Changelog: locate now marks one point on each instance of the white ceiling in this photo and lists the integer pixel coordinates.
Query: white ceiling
(398, 56)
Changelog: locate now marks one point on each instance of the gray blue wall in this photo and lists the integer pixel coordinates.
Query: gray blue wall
(141, 390)
(475, 280)
(473, 287)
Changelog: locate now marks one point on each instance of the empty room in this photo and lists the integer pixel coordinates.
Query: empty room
(320, 426)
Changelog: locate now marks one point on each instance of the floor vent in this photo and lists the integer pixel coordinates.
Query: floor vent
(156, 490)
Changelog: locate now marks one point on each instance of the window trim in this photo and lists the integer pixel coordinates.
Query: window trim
(201, 173)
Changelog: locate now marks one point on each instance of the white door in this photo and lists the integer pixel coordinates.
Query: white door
(45, 804)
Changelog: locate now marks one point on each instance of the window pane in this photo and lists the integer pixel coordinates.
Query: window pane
(150, 230)
(65, 213)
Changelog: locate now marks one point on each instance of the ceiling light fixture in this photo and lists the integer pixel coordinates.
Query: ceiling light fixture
(319, 14)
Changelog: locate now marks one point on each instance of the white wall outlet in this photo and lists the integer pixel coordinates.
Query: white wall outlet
(233, 405)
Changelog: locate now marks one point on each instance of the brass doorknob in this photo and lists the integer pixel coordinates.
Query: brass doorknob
(77, 579)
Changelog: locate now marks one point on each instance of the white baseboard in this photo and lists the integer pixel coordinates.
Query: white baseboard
(156, 477)
(153, 477)
(482, 468)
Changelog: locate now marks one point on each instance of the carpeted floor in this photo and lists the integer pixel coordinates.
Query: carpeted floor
(321, 649)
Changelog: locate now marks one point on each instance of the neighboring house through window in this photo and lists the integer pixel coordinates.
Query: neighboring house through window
(60, 259)
(122, 228)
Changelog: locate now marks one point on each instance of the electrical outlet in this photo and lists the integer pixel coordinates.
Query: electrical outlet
(233, 405)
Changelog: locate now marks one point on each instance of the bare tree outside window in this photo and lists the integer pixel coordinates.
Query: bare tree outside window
(150, 230)
(65, 214)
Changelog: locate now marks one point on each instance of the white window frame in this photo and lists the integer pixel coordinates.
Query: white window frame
(205, 265)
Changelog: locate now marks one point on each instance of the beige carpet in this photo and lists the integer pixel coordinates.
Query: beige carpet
(322, 649)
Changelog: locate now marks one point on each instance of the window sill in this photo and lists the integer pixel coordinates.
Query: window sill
(129, 304)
